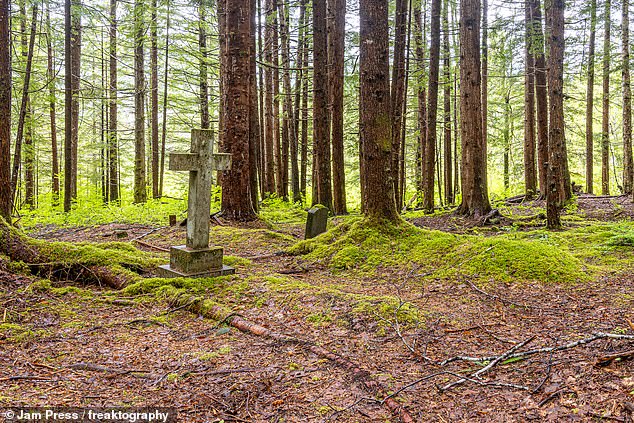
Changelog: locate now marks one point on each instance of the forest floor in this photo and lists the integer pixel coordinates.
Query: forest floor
(65, 344)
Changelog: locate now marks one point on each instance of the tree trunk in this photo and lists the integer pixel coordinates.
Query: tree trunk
(203, 83)
(448, 158)
(432, 108)
(254, 121)
(398, 90)
(288, 130)
(236, 184)
(485, 87)
(164, 128)
(269, 129)
(530, 171)
(556, 138)
(541, 92)
(51, 82)
(475, 199)
(605, 117)
(68, 115)
(24, 117)
(154, 101)
(140, 193)
(6, 197)
(304, 140)
(321, 124)
(336, 50)
(299, 84)
(75, 88)
(419, 48)
(113, 149)
(277, 145)
(374, 114)
(590, 101)
(628, 167)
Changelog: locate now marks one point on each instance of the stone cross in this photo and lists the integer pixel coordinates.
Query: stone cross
(196, 258)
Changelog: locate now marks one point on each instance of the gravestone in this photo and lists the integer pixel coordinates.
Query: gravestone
(316, 222)
(196, 258)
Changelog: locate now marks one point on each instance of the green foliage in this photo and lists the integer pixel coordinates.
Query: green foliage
(542, 256)
(275, 210)
(92, 211)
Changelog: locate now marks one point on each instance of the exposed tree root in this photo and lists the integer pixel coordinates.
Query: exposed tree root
(361, 376)
(65, 261)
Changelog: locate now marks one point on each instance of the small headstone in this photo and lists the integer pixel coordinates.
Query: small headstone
(316, 222)
(196, 258)
(172, 218)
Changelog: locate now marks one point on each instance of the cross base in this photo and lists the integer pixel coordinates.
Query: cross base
(166, 271)
(195, 263)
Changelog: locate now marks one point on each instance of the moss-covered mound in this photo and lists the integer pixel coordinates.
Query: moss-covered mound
(536, 256)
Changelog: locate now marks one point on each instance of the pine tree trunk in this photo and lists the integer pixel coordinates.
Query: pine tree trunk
(203, 83)
(628, 167)
(254, 121)
(541, 95)
(304, 120)
(68, 115)
(475, 199)
(336, 51)
(165, 76)
(432, 109)
(485, 87)
(605, 117)
(321, 121)
(590, 101)
(113, 149)
(140, 193)
(556, 196)
(419, 48)
(299, 84)
(448, 158)
(154, 101)
(29, 151)
(530, 171)
(6, 197)
(374, 114)
(75, 88)
(277, 130)
(288, 133)
(236, 184)
(398, 90)
(269, 129)
(51, 82)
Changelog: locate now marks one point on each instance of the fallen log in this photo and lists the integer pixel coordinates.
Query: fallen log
(111, 264)
(362, 376)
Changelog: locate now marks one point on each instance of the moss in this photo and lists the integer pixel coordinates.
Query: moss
(235, 261)
(65, 290)
(564, 257)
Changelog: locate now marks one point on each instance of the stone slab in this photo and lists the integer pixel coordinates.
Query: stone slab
(191, 261)
(166, 271)
(316, 222)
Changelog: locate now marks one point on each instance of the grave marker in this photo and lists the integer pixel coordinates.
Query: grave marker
(196, 258)
(316, 222)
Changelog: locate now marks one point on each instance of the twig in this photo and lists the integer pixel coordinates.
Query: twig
(489, 366)
(147, 233)
(496, 297)
(607, 359)
(155, 247)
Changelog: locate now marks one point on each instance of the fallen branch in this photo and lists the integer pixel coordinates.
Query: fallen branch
(362, 376)
(154, 247)
(596, 336)
(489, 366)
(98, 368)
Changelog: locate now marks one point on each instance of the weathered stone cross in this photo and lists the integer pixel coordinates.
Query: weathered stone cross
(196, 258)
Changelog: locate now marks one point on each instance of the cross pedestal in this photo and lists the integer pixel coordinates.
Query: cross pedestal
(196, 258)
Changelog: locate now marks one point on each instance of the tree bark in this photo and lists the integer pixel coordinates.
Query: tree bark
(24, 117)
(140, 193)
(154, 100)
(75, 88)
(419, 48)
(448, 158)
(254, 121)
(269, 129)
(556, 138)
(6, 194)
(429, 160)
(336, 51)
(51, 82)
(203, 83)
(541, 94)
(321, 125)
(165, 76)
(374, 114)
(236, 184)
(475, 199)
(398, 91)
(530, 171)
(605, 117)
(299, 86)
(68, 99)
(628, 167)
(590, 101)
(485, 88)
(288, 129)
(113, 149)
